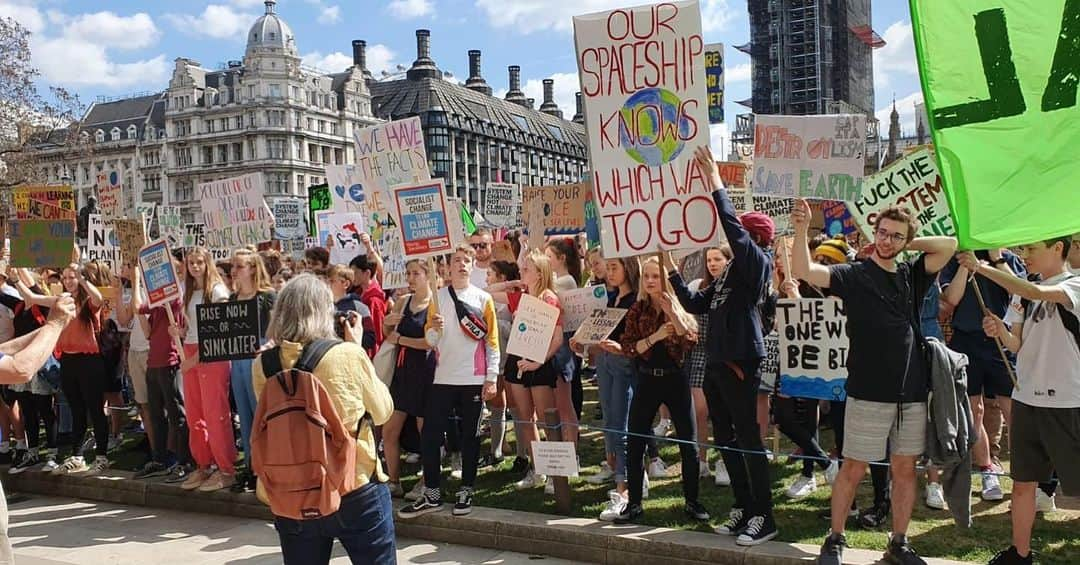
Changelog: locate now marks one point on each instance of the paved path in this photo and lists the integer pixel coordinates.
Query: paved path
(55, 531)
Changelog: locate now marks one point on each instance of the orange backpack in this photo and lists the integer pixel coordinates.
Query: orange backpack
(303, 455)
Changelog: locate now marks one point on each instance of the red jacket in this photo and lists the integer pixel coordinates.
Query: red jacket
(375, 299)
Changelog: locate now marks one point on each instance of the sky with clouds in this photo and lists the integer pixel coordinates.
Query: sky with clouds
(116, 47)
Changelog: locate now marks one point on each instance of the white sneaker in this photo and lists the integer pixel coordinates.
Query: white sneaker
(100, 464)
(935, 496)
(605, 475)
(71, 465)
(416, 492)
(531, 480)
(1044, 502)
(549, 486)
(832, 471)
(802, 487)
(50, 464)
(657, 469)
(722, 478)
(703, 470)
(662, 428)
(614, 506)
(455, 466)
(991, 487)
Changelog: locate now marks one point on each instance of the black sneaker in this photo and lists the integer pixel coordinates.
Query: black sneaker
(1011, 557)
(464, 502)
(631, 513)
(899, 552)
(695, 510)
(152, 469)
(488, 460)
(875, 517)
(242, 482)
(426, 504)
(19, 455)
(178, 474)
(759, 529)
(832, 551)
(27, 460)
(735, 524)
(521, 465)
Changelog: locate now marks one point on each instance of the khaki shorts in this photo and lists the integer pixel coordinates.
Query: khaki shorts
(872, 430)
(136, 363)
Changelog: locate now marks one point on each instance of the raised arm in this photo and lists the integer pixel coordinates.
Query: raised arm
(32, 298)
(938, 250)
(23, 356)
(694, 302)
(96, 300)
(1016, 285)
(801, 266)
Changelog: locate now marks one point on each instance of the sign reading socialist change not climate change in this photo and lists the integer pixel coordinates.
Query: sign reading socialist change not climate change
(643, 82)
(425, 228)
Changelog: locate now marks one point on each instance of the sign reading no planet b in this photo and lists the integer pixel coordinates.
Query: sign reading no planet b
(813, 348)
(425, 227)
(228, 331)
(642, 73)
(912, 182)
(235, 212)
(819, 157)
(103, 244)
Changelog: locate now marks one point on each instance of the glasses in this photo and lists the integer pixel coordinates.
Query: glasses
(882, 233)
(480, 245)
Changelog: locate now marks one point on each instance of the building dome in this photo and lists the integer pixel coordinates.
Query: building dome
(271, 32)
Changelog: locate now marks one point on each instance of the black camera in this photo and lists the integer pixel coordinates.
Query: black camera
(342, 318)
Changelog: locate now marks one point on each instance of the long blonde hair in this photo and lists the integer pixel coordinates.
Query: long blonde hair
(211, 278)
(546, 280)
(687, 320)
(260, 278)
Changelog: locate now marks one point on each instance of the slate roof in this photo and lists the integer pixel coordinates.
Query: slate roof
(123, 113)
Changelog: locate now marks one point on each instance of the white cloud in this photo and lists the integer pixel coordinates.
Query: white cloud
(566, 86)
(110, 30)
(379, 58)
(330, 15)
(75, 62)
(905, 107)
(897, 56)
(407, 9)
(247, 3)
(216, 20)
(738, 73)
(528, 16)
(25, 13)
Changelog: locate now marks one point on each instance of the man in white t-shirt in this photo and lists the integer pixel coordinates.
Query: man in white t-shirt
(481, 242)
(1042, 329)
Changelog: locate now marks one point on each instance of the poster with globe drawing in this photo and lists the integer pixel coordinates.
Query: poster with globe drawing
(642, 74)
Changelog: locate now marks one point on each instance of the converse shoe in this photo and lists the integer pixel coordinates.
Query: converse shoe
(720, 474)
(696, 511)
(531, 480)
(1011, 557)
(662, 428)
(464, 502)
(657, 469)
(416, 493)
(152, 469)
(1044, 502)
(832, 551)
(605, 475)
(70, 465)
(614, 507)
(802, 487)
(100, 464)
(991, 488)
(935, 496)
(734, 525)
(430, 501)
(759, 530)
(29, 459)
(900, 552)
(631, 513)
(832, 471)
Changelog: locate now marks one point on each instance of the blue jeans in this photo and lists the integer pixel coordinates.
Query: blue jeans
(244, 394)
(616, 376)
(364, 524)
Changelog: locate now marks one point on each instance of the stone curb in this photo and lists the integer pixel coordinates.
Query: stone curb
(581, 539)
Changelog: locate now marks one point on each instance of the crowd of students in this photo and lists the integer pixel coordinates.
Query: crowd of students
(688, 351)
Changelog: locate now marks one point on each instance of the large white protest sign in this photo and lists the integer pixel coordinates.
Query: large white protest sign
(171, 226)
(912, 182)
(579, 303)
(289, 219)
(534, 324)
(819, 157)
(813, 348)
(502, 204)
(779, 209)
(102, 243)
(599, 324)
(146, 211)
(642, 74)
(388, 155)
(381, 219)
(110, 191)
(344, 231)
(235, 212)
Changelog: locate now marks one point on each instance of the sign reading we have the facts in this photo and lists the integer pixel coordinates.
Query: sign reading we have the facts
(642, 74)
(388, 155)
(228, 331)
(813, 347)
(235, 212)
(912, 182)
(818, 157)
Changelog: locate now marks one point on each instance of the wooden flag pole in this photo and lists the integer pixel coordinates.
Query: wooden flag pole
(997, 340)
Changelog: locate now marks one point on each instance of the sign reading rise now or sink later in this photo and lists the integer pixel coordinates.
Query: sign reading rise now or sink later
(228, 330)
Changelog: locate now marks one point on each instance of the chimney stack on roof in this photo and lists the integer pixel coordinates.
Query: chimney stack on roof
(579, 103)
(359, 57)
(515, 94)
(549, 106)
(476, 80)
(423, 67)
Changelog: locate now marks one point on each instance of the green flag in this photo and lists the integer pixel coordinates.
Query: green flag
(1000, 82)
(466, 219)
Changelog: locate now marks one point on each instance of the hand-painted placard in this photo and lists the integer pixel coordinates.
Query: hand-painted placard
(425, 225)
(41, 243)
(563, 206)
(235, 212)
(598, 325)
(502, 204)
(171, 226)
(46, 211)
(147, 211)
(132, 237)
(110, 192)
(646, 113)
(318, 199)
(387, 155)
(579, 303)
(820, 157)
(770, 365)
(714, 81)
(159, 274)
(534, 324)
(228, 331)
(734, 174)
(103, 244)
(912, 182)
(60, 196)
(813, 348)
(381, 221)
(344, 231)
(838, 220)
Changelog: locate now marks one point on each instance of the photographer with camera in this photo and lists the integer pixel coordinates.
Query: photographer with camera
(348, 307)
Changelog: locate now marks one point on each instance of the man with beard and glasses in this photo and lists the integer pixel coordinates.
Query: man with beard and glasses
(888, 372)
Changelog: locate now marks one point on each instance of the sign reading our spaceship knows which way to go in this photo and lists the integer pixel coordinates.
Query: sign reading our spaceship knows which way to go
(643, 82)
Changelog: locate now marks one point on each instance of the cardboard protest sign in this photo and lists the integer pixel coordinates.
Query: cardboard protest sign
(734, 174)
(819, 157)
(813, 347)
(228, 331)
(563, 206)
(741, 199)
(502, 204)
(458, 232)
(534, 223)
(110, 192)
(592, 224)
(838, 220)
(388, 155)
(534, 324)
(599, 324)
(913, 182)
(645, 116)
(779, 209)
(345, 230)
(60, 196)
(159, 274)
(195, 236)
(147, 211)
(171, 225)
(110, 298)
(380, 219)
(425, 224)
(41, 243)
(132, 237)
(235, 212)
(46, 211)
(103, 244)
(714, 81)
(577, 304)
(1000, 83)
(691, 263)
(318, 199)
(288, 219)
(770, 365)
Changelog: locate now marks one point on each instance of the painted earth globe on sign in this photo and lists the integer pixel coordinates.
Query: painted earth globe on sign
(653, 129)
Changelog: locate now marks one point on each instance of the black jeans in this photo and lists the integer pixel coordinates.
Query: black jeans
(37, 409)
(879, 474)
(440, 402)
(732, 400)
(797, 419)
(82, 377)
(166, 407)
(673, 389)
(364, 524)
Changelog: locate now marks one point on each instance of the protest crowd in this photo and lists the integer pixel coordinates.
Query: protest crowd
(405, 330)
